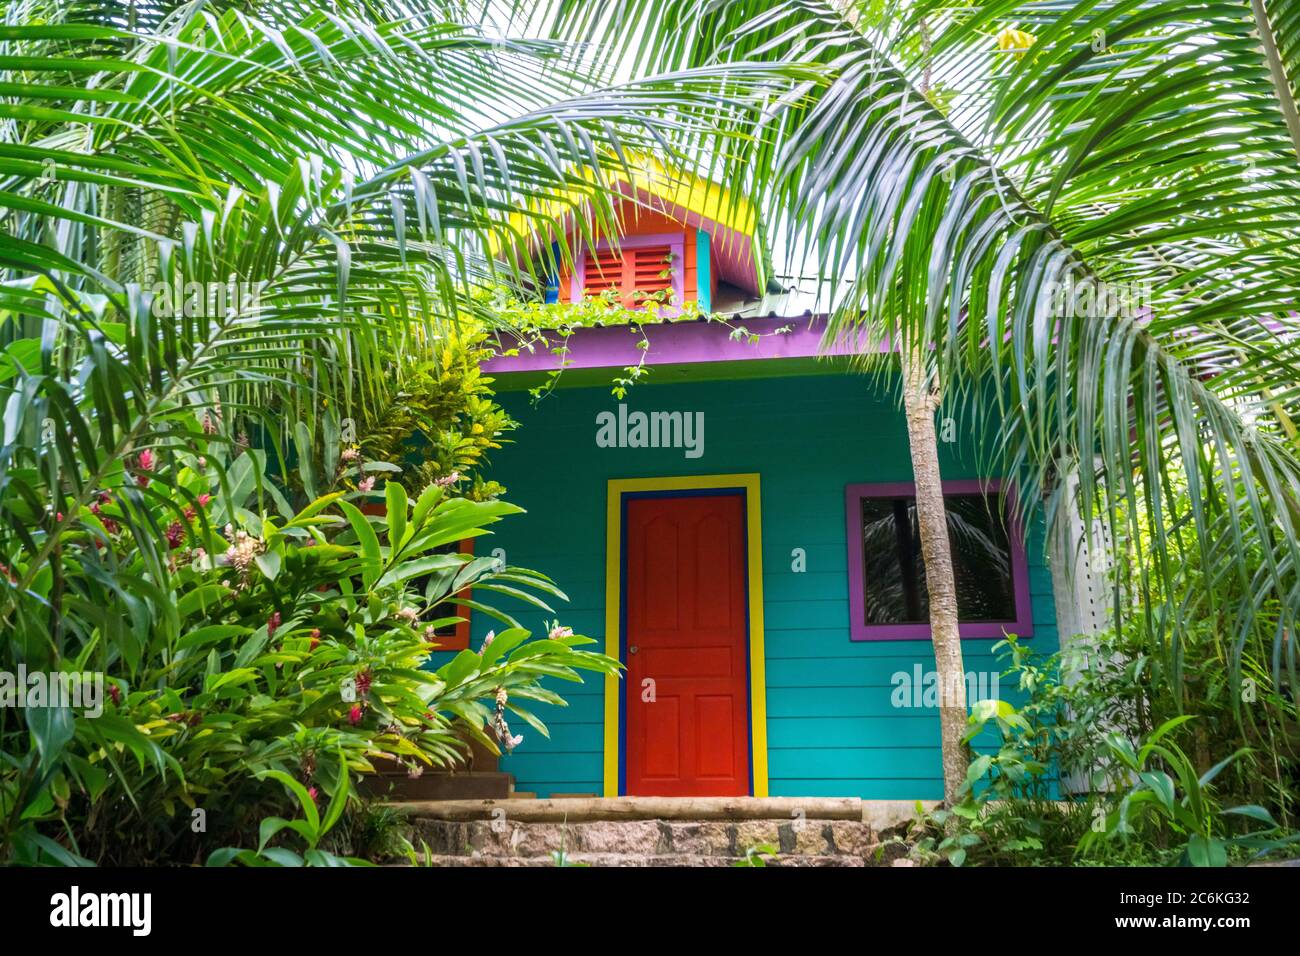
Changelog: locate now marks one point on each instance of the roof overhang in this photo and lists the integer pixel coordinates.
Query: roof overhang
(702, 348)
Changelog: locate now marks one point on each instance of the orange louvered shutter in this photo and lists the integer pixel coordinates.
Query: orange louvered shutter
(604, 270)
(640, 269)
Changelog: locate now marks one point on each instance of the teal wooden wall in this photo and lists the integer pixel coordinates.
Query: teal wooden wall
(831, 728)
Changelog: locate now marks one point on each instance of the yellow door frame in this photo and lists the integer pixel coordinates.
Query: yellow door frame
(749, 484)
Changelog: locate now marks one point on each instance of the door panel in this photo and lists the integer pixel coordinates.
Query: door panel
(687, 632)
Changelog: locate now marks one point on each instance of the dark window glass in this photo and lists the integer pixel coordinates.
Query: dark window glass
(421, 585)
(894, 572)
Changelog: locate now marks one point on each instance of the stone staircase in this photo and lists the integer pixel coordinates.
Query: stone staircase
(506, 842)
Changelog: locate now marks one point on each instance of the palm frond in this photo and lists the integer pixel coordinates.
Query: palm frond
(1139, 146)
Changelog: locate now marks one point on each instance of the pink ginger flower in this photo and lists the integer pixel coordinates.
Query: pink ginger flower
(313, 793)
(272, 624)
(144, 462)
(175, 534)
(448, 480)
(558, 632)
(365, 484)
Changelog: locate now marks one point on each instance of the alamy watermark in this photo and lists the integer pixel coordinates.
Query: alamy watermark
(75, 690)
(74, 909)
(922, 688)
(205, 299)
(651, 430)
(1087, 298)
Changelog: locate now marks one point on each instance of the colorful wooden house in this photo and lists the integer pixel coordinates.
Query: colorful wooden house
(738, 531)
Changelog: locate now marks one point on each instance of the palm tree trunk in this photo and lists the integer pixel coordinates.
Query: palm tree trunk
(920, 401)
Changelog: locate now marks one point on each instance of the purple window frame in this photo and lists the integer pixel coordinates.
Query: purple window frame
(676, 243)
(1022, 626)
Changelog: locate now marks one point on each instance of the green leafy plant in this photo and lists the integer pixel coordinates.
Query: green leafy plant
(295, 644)
(1012, 810)
(440, 420)
(757, 855)
(1169, 795)
(311, 828)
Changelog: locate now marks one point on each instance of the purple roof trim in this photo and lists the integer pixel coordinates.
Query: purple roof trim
(859, 630)
(673, 343)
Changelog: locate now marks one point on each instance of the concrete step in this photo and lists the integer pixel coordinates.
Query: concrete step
(632, 860)
(508, 839)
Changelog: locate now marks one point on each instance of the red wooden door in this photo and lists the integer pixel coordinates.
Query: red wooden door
(687, 731)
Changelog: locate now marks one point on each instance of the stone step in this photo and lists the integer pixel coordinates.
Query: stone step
(509, 839)
(633, 860)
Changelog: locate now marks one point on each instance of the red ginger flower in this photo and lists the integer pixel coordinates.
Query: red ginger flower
(354, 715)
(144, 462)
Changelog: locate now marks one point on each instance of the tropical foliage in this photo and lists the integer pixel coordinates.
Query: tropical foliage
(249, 252)
(234, 233)
(289, 646)
(1146, 155)
(1097, 728)
(1079, 220)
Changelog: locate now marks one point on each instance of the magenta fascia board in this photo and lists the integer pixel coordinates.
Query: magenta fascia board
(673, 343)
(859, 630)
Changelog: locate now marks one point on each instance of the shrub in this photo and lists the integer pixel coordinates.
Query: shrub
(288, 647)
(1134, 795)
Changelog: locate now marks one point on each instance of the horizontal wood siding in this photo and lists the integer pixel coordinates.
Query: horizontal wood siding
(832, 728)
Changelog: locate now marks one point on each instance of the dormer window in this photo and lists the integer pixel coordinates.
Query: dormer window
(643, 268)
(682, 237)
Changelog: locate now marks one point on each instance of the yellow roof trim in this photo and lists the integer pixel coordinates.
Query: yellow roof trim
(671, 187)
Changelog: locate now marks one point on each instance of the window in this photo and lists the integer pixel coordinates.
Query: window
(888, 598)
(450, 637)
(642, 266)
